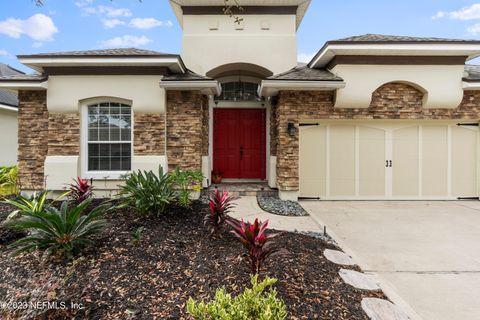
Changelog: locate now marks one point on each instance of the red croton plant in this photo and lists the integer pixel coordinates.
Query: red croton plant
(220, 204)
(80, 190)
(255, 240)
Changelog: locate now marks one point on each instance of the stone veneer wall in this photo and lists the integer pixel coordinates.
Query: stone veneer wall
(273, 131)
(32, 138)
(41, 133)
(149, 134)
(63, 134)
(205, 126)
(185, 129)
(391, 101)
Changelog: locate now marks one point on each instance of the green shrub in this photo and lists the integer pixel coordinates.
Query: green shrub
(147, 192)
(252, 304)
(183, 180)
(61, 231)
(8, 180)
(137, 235)
(31, 205)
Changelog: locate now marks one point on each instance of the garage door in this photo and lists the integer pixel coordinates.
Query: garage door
(429, 161)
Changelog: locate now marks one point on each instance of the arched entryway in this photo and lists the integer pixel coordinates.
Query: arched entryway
(240, 137)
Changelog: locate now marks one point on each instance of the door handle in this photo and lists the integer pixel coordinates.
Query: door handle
(388, 163)
(241, 153)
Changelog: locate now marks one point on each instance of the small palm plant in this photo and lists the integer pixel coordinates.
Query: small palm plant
(183, 180)
(61, 231)
(220, 204)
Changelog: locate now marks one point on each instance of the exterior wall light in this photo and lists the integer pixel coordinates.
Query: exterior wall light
(291, 129)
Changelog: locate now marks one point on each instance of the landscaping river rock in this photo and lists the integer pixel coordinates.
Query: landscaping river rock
(275, 205)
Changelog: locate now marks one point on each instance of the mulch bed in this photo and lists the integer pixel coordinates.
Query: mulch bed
(176, 259)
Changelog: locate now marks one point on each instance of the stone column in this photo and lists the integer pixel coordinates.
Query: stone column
(287, 146)
(185, 130)
(32, 138)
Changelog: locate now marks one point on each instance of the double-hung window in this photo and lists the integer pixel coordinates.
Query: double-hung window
(109, 137)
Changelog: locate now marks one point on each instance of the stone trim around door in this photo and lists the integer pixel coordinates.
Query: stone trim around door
(390, 101)
(186, 138)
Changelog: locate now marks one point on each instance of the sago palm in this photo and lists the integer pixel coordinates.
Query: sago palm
(61, 231)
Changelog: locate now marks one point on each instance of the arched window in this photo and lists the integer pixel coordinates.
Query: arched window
(109, 142)
(239, 91)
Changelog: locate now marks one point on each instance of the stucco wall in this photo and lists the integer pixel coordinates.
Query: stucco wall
(8, 137)
(390, 101)
(442, 85)
(274, 49)
(65, 92)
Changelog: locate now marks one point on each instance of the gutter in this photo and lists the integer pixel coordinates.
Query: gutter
(270, 88)
(206, 86)
(175, 63)
(15, 85)
(9, 108)
(470, 85)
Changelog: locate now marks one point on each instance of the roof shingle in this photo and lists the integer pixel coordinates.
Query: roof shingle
(376, 38)
(8, 98)
(472, 72)
(304, 73)
(187, 76)
(118, 52)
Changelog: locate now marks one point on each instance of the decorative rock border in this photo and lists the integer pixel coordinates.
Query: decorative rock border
(375, 308)
(359, 280)
(379, 309)
(273, 204)
(338, 257)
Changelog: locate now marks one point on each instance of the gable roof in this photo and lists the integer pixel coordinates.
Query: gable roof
(304, 73)
(117, 52)
(382, 38)
(7, 97)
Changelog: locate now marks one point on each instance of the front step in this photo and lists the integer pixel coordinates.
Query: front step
(244, 189)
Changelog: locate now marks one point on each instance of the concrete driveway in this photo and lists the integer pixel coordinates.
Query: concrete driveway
(425, 254)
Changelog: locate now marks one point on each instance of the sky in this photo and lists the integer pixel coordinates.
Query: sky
(65, 25)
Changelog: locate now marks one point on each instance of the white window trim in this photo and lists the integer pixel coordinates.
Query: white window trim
(100, 175)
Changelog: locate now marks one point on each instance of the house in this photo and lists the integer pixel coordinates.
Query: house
(8, 119)
(370, 117)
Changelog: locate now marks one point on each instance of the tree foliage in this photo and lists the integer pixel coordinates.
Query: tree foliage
(230, 6)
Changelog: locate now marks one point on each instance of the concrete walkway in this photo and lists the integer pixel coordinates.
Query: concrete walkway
(425, 254)
(247, 209)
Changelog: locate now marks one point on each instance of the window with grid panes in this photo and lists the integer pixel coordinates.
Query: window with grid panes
(109, 137)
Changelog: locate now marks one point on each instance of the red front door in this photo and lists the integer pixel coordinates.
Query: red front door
(239, 143)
